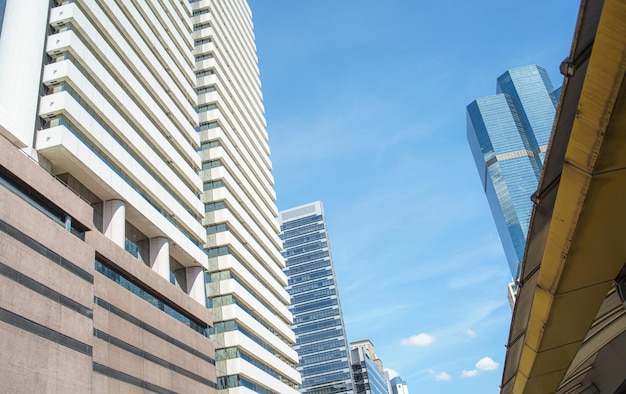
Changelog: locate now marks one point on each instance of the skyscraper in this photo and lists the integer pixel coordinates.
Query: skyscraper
(318, 322)
(252, 334)
(151, 112)
(508, 135)
(367, 369)
(398, 386)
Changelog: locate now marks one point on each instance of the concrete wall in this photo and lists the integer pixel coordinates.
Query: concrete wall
(64, 327)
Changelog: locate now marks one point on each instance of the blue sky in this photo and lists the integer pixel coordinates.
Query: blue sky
(365, 103)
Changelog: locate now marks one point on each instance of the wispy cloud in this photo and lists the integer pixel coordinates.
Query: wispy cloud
(470, 333)
(484, 364)
(440, 376)
(469, 374)
(392, 373)
(421, 339)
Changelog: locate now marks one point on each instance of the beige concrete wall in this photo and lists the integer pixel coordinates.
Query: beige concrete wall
(152, 280)
(29, 172)
(31, 364)
(34, 362)
(120, 359)
(30, 286)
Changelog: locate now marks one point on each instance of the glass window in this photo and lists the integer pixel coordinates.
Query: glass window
(111, 273)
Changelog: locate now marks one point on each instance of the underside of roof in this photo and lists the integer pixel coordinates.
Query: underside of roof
(567, 311)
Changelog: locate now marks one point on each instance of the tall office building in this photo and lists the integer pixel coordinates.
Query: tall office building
(398, 386)
(101, 96)
(318, 322)
(151, 113)
(367, 369)
(246, 284)
(508, 135)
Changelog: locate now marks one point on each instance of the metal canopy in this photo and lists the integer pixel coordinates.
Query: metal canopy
(577, 238)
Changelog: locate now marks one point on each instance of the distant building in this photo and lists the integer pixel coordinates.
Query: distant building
(508, 135)
(317, 319)
(367, 369)
(398, 386)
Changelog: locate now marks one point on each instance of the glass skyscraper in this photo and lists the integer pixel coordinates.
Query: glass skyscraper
(508, 134)
(317, 319)
(367, 369)
(398, 386)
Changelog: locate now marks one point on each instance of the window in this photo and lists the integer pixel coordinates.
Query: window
(206, 89)
(212, 185)
(200, 12)
(211, 164)
(208, 125)
(107, 270)
(201, 26)
(206, 56)
(206, 107)
(204, 73)
(202, 41)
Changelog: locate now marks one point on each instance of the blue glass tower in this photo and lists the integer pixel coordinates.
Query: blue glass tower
(398, 386)
(317, 320)
(367, 369)
(508, 134)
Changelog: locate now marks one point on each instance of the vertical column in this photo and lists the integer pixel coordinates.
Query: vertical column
(21, 51)
(114, 221)
(195, 284)
(160, 256)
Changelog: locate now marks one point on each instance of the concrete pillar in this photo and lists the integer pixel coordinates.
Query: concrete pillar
(160, 256)
(114, 221)
(195, 284)
(24, 22)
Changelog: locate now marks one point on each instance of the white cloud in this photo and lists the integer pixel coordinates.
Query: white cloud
(469, 374)
(484, 364)
(422, 339)
(440, 376)
(443, 376)
(392, 373)
(487, 364)
(470, 333)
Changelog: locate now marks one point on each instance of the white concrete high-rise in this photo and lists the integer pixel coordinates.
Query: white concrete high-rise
(252, 334)
(152, 112)
(104, 100)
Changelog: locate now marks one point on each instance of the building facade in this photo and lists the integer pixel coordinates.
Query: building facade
(151, 113)
(398, 386)
(508, 135)
(321, 340)
(80, 314)
(246, 283)
(367, 369)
